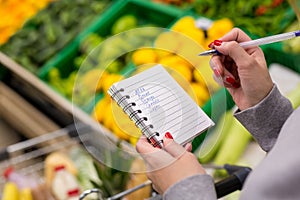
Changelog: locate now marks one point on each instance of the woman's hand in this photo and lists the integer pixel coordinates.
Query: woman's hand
(168, 166)
(243, 72)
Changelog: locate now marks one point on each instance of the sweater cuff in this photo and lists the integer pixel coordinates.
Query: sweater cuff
(201, 184)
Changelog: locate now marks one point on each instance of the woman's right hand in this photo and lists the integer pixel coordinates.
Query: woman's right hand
(243, 72)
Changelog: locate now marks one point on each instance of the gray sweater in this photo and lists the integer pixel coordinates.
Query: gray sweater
(276, 128)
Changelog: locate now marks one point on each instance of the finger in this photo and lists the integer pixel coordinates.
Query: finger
(235, 34)
(216, 65)
(224, 77)
(154, 158)
(143, 146)
(173, 148)
(188, 147)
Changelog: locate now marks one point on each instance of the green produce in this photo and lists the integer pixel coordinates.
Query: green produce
(294, 97)
(292, 46)
(233, 146)
(124, 23)
(259, 17)
(87, 173)
(213, 140)
(90, 42)
(50, 30)
(113, 180)
(98, 52)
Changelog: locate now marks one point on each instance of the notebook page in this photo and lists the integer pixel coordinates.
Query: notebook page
(165, 105)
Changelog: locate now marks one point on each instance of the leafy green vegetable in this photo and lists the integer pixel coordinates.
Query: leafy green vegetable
(50, 30)
(259, 17)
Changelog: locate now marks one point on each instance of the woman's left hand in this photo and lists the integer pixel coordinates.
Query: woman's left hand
(167, 166)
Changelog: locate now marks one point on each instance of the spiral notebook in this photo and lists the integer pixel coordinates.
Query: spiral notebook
(158, 104)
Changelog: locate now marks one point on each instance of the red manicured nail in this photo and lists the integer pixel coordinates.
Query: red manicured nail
(217, 42)
(217, 73)
(210, 44)
(232, 82)
(168, 135)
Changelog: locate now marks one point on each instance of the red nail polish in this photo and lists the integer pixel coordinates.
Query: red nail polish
(217, 42)
(210, 44)
(168, 135)
(230, 80)
(217, 73)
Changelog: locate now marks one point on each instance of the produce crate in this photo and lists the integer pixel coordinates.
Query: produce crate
(275, 53)
(260, 18)
(50, 30)
(145, 11)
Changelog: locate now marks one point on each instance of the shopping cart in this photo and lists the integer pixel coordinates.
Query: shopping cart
(234, 182)
(28, 158)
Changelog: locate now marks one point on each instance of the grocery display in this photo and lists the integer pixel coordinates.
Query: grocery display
(80, 49)
(49, 31)
(14, 15)
(260, 18)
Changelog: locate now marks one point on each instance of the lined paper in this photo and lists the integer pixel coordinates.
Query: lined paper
(167, 107)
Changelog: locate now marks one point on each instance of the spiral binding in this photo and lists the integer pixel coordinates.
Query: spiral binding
(127, 107)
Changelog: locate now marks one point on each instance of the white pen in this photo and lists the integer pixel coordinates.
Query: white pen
(260, 41)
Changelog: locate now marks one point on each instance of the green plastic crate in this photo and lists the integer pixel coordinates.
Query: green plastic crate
(274, 53)
(146, 12)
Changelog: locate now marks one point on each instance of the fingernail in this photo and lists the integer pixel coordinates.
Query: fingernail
(210, 44)
(168, 135)
(217, 42)
(216, 72)
(229, 80)
(232, 82)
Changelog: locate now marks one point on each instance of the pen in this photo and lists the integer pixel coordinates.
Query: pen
(260, 41)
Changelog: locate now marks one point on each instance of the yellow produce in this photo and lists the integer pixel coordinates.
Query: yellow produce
(173, 60)
(10, 191)
(162, 53)
(25, 194)
(198, 77)
(108, 120)
(144, 56)
(91, 80)
(182, 24)
(123, 127)
(183, 70)
(100, 109)
(108, 80)
(200, 92)
(113, 118)
(219, 28)
(168, 41)
(143, 67)
(14, 13)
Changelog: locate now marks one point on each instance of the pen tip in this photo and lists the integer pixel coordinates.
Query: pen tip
(208, 53)
(202, 54)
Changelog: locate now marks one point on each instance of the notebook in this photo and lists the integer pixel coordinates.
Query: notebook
(158, 104)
